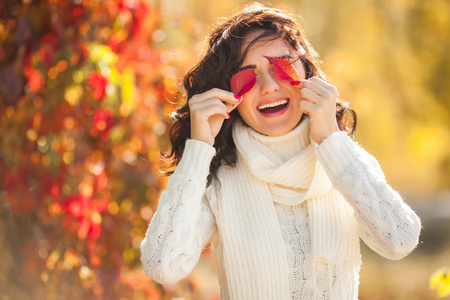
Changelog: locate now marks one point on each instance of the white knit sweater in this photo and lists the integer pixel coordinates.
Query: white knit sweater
(186, 221)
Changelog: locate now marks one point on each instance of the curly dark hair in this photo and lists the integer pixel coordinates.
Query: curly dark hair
(223, 58)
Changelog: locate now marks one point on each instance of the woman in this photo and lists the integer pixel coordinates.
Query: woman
(271, 177)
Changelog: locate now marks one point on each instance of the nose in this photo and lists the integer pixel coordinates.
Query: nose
(268, 83)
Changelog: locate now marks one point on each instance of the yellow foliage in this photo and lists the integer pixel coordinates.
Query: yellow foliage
(73, 94)
(440, 280)
(427, 143)
(128, 92)
(102, 54)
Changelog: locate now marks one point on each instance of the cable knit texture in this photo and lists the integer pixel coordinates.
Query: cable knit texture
(272, 247)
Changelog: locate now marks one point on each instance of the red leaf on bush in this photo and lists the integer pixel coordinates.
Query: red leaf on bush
(84, 226)
(35, 80)
(83, 50)
(75, 205)
(103, 122)
(101, 181)
(100, 205)
(51, 39)
(284, 70)
(49, 46)
(77, 11)
(242, 82)
(98, 82)
(85, 210)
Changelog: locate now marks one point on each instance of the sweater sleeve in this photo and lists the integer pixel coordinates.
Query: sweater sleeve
(385, 223)
(183, 223)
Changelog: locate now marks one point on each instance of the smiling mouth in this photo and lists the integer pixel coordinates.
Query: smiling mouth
(273, 107)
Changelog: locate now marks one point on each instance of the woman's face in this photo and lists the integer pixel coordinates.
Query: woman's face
(268, 89)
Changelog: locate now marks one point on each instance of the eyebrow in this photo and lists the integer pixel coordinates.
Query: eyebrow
(252, 67)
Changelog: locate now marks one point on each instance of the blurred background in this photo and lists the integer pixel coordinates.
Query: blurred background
(86, 90)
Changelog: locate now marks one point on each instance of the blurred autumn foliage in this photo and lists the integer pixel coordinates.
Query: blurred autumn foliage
(83, 88)
(85, 92)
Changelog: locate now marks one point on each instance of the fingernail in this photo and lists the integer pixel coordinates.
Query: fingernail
(237, 97)
(296, 82)
(228, 115)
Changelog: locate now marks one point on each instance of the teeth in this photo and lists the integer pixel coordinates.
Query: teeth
(281, 102)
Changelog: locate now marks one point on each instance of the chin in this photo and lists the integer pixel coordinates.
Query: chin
(273, 126)
(277, 131)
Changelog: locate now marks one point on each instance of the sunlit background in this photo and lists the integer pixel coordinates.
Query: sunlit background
(85, 95)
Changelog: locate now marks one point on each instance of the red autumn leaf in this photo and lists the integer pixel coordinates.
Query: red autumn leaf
(103, 122)
(27, 63)
(75, 205)
(35, 80)
(101, 181)
(98, 82)
(54, 191)
(77, 11)
(242, 82)
(82, 50)
(284, 70)
(88, 228)
(46, 56)
(100, 205)
(84, 209)
(48, 48)
(52, 40)
(84, 226)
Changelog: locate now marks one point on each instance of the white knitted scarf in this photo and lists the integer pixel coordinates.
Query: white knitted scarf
(248, 223)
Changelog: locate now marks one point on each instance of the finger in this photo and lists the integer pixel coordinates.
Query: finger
(223, 95)
(231, 107)
(307, 107)
(329, 87)
(299, 84)
(310, 96)
(318, 89)
(227, 106)
(214, 109)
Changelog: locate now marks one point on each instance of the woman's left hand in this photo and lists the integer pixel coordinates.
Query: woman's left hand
(318, 100)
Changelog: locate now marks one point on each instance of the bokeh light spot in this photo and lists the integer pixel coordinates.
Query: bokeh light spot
(159, 128)
(42, 141)
(31, 134)
(129, 157)
(9, 112)
(146, 213)
(78, 76)
(68, 157)
(158, 36)
(62, 65)
(69, 122)
(96, 218)
(84, 272)
(113, 208)
(126, 205)
(53, 73)
(73, 94)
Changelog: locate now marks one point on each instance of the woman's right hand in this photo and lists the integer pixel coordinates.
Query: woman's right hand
(208, 111)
